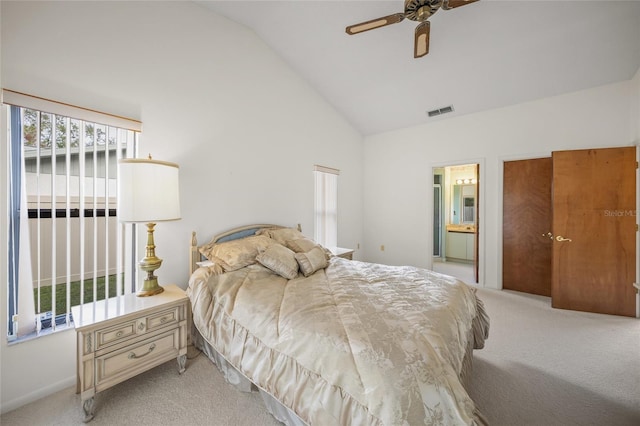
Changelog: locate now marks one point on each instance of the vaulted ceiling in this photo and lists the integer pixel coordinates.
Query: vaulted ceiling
(485, 55)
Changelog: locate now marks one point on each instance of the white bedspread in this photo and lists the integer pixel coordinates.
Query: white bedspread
(353, 344)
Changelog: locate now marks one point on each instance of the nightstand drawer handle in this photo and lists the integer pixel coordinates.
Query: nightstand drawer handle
(134, 356)
(163, 320)
(119, 333)
(141, 326)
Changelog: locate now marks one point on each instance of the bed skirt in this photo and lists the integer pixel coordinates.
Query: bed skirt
(242, 383)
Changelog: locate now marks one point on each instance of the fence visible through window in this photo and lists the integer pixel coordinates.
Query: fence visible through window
(66, 246)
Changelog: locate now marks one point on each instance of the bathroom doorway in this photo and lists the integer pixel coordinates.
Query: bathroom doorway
(455, 221)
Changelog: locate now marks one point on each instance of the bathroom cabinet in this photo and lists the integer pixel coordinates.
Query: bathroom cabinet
(459, 246)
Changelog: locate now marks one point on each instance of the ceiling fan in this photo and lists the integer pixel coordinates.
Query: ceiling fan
(415, 10)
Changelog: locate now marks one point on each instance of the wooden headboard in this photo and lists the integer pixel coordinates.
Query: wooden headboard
(231, 234)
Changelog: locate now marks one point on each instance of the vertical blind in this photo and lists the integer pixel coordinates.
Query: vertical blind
(326, 206)
(66, 246)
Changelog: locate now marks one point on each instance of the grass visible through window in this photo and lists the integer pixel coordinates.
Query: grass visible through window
(61, 294)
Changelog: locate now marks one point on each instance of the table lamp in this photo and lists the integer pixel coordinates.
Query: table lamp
(148, 192)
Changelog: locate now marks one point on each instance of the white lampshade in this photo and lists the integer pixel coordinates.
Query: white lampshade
(148, 190)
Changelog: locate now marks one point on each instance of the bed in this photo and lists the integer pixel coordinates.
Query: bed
(331, 341)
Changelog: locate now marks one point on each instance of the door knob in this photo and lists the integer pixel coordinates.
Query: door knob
(561, 239)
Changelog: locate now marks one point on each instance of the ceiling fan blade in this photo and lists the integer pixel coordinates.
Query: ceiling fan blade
(421, 46)
(375, 23)
(452, 4)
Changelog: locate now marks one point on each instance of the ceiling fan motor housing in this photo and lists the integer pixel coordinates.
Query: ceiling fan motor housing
(421, 10)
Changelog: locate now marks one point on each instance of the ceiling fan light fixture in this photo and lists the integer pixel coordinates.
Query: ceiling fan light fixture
(440, 111)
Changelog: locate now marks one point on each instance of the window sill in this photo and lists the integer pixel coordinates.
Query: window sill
(45, 332)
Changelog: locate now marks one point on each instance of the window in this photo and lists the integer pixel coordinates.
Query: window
(326, 206)
(65, 244)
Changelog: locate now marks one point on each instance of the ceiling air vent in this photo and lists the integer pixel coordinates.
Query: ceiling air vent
(440, 111)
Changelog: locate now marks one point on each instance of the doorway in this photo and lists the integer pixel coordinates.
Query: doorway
(455, 221)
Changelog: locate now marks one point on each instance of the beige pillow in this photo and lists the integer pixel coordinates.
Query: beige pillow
(301, 245)
(281, 235)
(304, 245)
(311, 261)
(280, 260)
(236, 254)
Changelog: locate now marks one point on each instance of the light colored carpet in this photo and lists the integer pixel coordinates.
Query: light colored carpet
(545, 366)
(161, 396)
(541, 366)
(462, 271)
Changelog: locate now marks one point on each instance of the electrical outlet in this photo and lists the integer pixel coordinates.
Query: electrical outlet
(382, 247)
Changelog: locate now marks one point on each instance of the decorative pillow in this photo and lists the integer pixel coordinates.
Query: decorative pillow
(281, 235)
(311, 261)
(280, 260)
(301, 245)
(236, 254)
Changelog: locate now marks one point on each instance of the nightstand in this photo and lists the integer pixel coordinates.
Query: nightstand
(343, 252)
(121, 337)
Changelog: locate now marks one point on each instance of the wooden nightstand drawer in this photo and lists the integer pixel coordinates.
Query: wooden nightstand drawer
(163, 319)
(112, 335)
(120, 365)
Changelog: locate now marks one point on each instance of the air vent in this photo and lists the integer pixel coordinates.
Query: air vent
(440, 111)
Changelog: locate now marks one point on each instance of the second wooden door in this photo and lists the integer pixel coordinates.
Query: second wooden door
(594, 229)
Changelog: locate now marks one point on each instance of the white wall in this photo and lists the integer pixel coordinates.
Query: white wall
(212, 97)
(398, 165)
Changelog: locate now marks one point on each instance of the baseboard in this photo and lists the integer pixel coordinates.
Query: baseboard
(38, 394)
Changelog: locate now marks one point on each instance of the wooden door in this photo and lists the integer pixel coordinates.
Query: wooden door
(526, 247)
(594, 229)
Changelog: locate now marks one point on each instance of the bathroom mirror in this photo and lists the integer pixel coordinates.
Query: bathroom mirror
(463, 207)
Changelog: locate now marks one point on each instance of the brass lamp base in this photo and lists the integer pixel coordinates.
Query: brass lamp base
(150, 288)
(149, 264)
